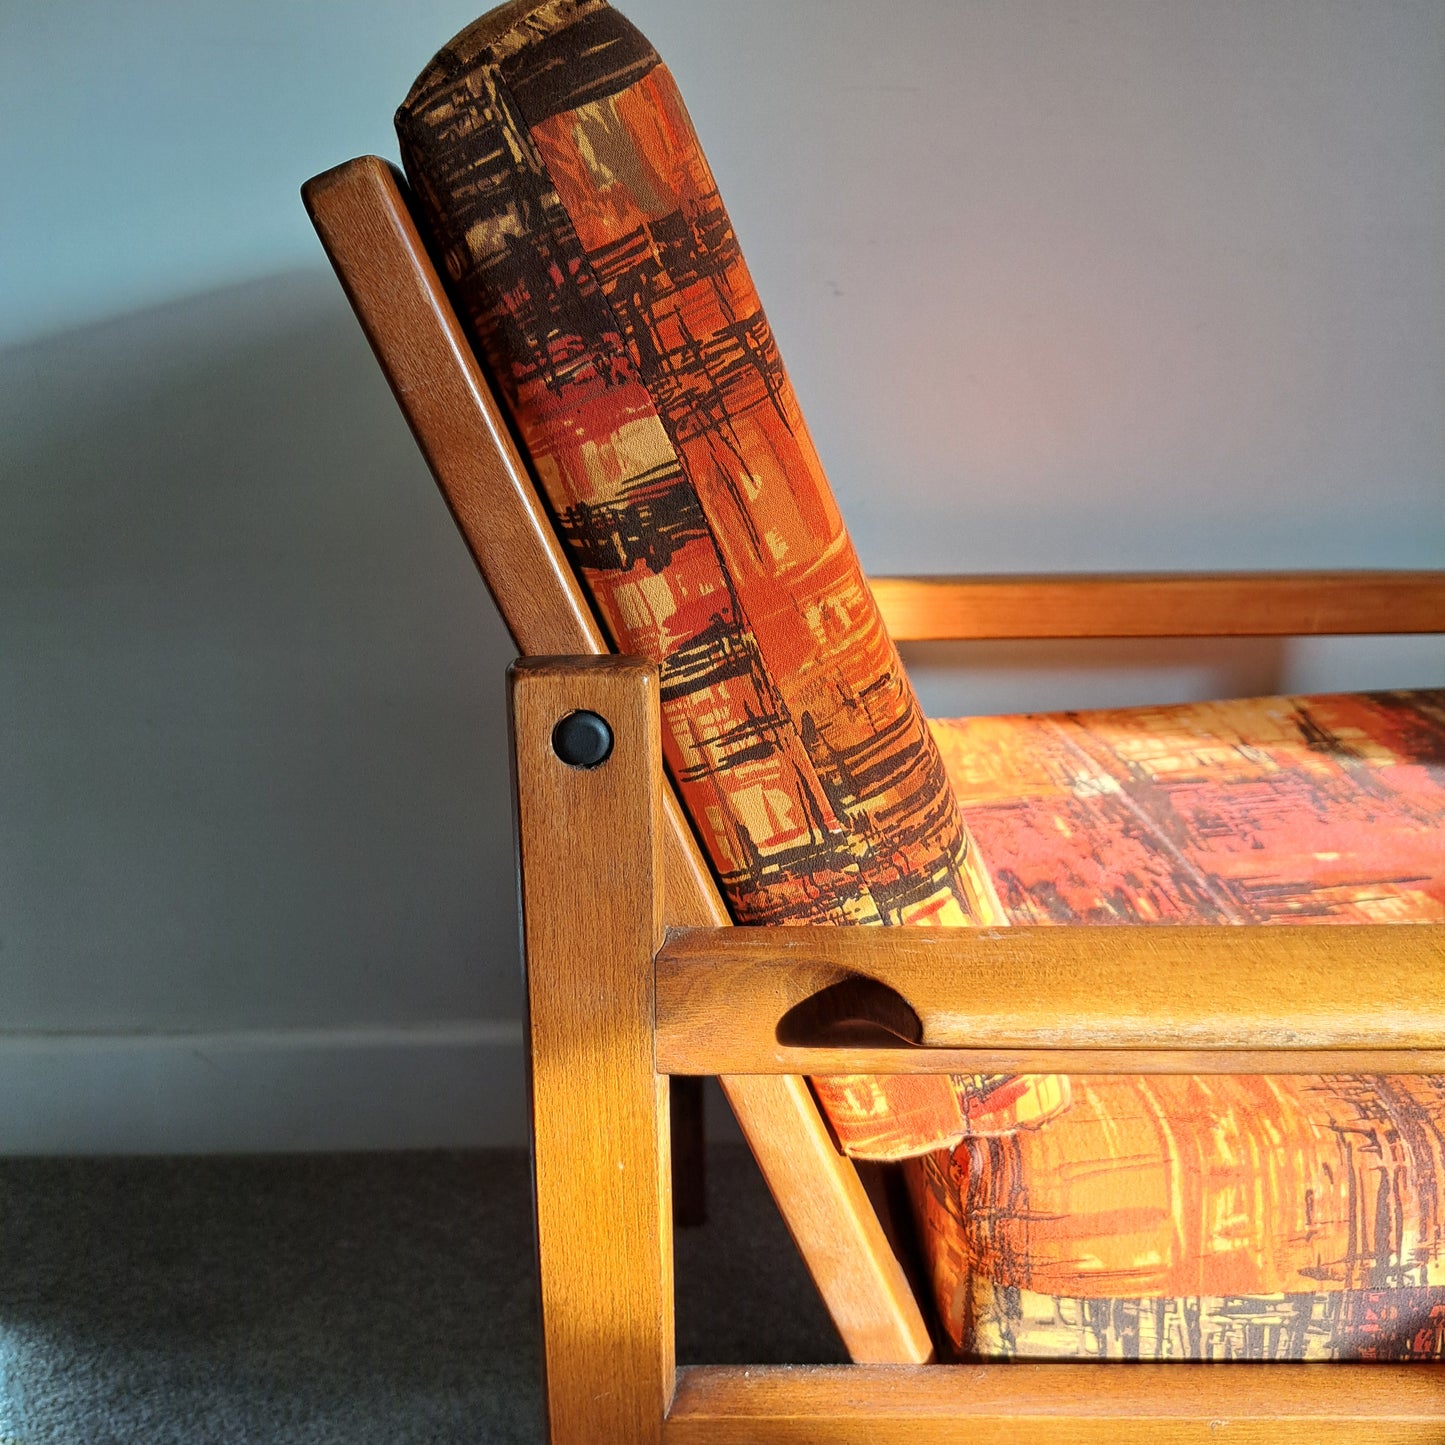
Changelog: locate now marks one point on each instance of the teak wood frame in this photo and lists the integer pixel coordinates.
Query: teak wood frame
(634, 975)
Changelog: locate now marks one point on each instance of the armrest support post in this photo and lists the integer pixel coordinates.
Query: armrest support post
(589, 845)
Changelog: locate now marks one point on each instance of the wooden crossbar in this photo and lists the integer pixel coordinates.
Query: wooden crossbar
(1352, 998)
(1059, 1404)
(1223, 604)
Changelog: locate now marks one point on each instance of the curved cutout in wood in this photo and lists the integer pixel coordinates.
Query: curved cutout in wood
(855, 1012)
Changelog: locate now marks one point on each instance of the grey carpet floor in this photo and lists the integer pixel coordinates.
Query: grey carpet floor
(325, 1299)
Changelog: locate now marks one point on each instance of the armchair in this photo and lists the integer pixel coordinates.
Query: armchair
(1070, 1200)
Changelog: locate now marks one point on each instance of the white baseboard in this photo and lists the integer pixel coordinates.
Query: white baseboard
(426, 1086)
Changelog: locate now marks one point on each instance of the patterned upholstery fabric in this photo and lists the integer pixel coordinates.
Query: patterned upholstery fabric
(594, 265)
(1203, 1218)
(597, 269)
(1269, 810)
(1197, 1218)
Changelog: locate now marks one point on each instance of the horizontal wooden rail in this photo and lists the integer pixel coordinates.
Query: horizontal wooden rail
(1218, 999)
(1225, 604)
(1082, 1404)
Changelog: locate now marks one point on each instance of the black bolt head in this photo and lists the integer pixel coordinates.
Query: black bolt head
(582, 740)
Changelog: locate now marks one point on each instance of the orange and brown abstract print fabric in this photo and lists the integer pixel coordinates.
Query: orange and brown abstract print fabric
(1264, 810)
(1172, 1217)
(598, 271)
(1187, 1217)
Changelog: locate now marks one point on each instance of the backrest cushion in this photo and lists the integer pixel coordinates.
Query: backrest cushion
(593, 262)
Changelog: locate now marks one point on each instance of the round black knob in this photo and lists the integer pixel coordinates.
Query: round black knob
(582, 740)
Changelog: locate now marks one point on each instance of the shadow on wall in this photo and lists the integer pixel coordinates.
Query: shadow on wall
(255, 773)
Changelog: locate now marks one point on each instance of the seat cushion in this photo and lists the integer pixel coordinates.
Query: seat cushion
(1201, 1217)
(1205, 1218)
(1266, 810)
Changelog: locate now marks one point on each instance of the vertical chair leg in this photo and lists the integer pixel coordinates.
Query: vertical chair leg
(588, 839)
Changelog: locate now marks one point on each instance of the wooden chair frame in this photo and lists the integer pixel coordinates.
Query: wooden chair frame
(635, 978)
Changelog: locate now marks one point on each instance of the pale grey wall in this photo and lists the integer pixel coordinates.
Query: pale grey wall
(1062, 283)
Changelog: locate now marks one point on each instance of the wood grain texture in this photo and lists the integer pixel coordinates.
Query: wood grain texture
(1242, 604)
(368, 232)
(361, 215)
(1091, 1404)
(1376, 989)
(592, 916)
(740, 1056)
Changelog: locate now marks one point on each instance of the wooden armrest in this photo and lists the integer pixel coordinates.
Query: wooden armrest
(1176, 999)
(1226, 604)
